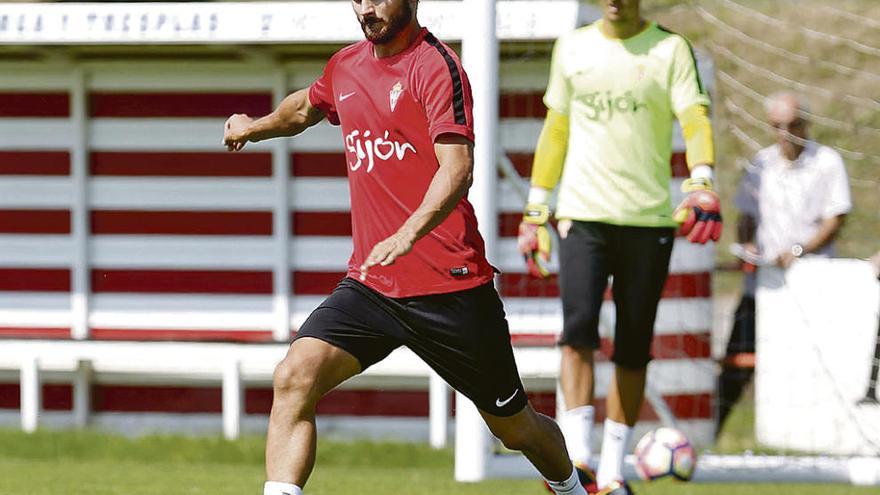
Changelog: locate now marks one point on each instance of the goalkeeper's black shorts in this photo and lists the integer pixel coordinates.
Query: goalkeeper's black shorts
(462, 335)
(638, 259)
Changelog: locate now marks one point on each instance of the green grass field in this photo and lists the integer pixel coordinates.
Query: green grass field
(80, 463)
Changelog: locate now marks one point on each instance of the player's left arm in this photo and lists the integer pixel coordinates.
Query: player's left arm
(700, 212)
(455, 154)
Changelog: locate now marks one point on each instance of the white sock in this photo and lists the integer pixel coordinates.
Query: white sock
(279, 488)
(571, 486)
(577, 425)
(614, 443)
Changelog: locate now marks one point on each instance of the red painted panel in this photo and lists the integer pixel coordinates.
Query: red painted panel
(35, 333)
(397, 403)
(315, 283)
(667, 346)
(56, 397)
(34, 221)
(182, 281)
(678, 285)
(508, 224)
(178, 104)
(333, 164)
(522, 105)
(683, 407)
(35, 279)
(45, 104)
(522, 162)
(181, 222)
(679, 165)
(140, 398)
(329, 223)
(180, 164)
(165, 334)
(34, 163)
(311, 164)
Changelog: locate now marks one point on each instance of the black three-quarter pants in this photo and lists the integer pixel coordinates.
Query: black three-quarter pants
(462, 335)
(638, 259)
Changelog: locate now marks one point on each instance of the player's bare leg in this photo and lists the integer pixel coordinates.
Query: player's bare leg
(576, 376)
(625, 395)
(311, 368)
(576, 379)
(540, 440)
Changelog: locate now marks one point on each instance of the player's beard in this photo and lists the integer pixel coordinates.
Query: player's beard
(380, 32)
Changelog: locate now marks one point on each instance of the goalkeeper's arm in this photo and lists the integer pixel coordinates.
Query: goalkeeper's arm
(293, 115)
(534, 238)
(700, 213)
(549, 156)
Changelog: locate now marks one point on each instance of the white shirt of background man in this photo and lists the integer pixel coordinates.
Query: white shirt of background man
(789, 200)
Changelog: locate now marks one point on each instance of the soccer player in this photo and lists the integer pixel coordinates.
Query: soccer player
(615, 87)
(418, 275)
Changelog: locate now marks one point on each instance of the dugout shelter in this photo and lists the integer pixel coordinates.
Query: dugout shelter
(141, 265)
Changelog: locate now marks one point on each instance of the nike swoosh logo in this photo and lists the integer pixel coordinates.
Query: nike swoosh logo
(346, 96)
(502, 403)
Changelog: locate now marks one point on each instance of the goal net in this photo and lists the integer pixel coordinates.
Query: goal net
(807, 407)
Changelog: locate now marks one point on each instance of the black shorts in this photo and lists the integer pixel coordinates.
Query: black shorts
(462, 335)
(638, 259)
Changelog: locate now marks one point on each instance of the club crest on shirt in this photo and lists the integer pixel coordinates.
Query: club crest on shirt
(394, 95)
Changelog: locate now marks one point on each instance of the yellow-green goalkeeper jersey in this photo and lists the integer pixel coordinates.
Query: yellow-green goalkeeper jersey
(621, 97)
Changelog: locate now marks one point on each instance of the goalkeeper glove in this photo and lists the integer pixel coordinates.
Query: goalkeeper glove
(700, 212)
(534, 239)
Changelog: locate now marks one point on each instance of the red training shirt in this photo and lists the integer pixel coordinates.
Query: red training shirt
(391, 110)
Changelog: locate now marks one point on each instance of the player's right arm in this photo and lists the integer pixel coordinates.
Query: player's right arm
(533, 239)
(294, 115)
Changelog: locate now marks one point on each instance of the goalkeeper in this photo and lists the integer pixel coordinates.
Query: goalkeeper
(615, 87)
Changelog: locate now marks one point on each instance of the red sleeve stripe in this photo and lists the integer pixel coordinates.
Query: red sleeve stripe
(457, 89)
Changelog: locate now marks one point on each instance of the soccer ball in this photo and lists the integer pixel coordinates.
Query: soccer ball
(665, 452)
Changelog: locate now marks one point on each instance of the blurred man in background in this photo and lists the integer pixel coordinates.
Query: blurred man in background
(615, 88)
(793, 200)
(875, 262)
(418, 275)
